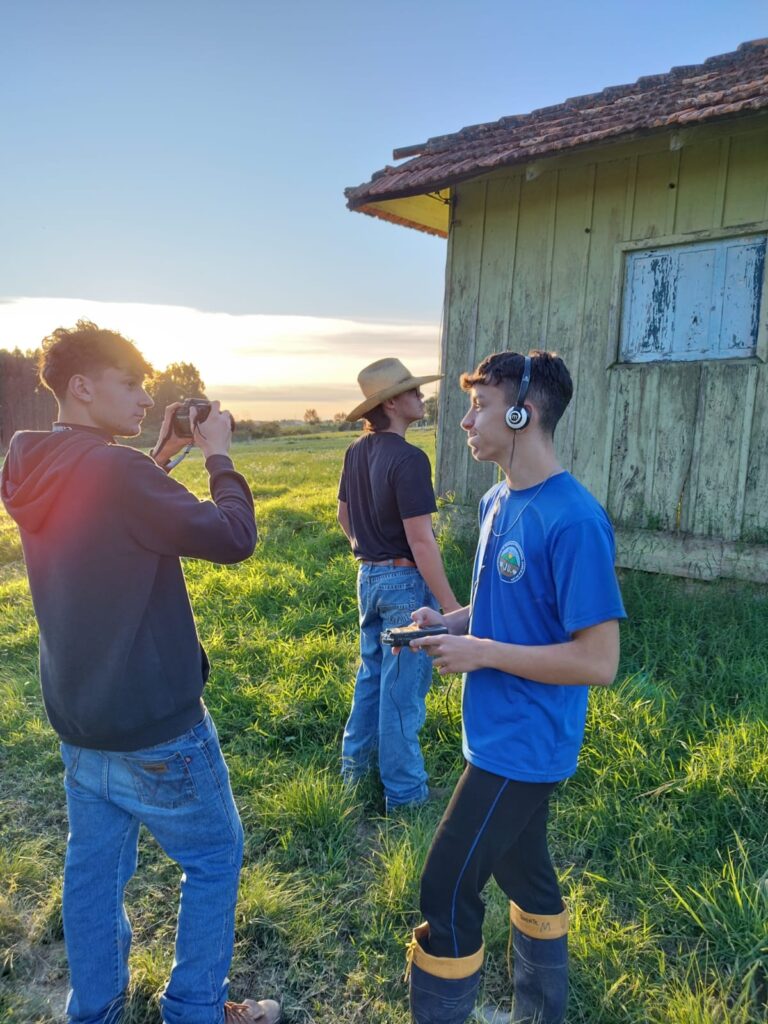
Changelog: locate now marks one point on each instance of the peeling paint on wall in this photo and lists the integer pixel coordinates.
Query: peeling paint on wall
(694, 301)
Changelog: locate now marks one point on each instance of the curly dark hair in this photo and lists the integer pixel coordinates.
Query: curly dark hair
(86, 348)
(550, 389)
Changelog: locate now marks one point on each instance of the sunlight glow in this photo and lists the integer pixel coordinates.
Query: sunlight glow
(261, 366)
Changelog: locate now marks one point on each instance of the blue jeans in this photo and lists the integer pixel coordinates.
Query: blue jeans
(180, 791)
(388, 708)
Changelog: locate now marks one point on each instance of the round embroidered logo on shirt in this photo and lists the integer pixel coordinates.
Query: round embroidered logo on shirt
(511, 562)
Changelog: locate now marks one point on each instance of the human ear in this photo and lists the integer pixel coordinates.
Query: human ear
(81, 387)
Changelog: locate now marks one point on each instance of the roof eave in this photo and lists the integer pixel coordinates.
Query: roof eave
(374, 211)
(368, 197)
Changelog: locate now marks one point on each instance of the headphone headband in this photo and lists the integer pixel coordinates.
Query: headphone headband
(517, 415)
(525, 380)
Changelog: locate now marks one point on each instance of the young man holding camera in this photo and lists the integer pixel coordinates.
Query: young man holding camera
(541, 627)
(385, 508)
(122, 670)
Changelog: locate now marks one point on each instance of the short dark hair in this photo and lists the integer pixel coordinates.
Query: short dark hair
(375, 420)
(551, 386)
(85, 348)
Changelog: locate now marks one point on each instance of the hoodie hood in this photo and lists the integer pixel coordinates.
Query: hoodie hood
(37, 466)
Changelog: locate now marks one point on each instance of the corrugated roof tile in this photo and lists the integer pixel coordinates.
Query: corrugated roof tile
(724, 85)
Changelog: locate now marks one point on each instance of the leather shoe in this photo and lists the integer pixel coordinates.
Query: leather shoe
(252, 1011)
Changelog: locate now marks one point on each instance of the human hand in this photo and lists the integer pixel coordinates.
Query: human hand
(453, 653)
(422, 617)
(214, 434)
(168, 442)
(428, 617)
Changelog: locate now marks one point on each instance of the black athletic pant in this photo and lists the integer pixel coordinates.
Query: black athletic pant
(492, 826)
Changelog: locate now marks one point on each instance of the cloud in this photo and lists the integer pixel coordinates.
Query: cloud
(302, 393)
(387, 339)
(313, 361)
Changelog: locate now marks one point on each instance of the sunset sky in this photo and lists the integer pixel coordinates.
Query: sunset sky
(261, 366)
(174, 169)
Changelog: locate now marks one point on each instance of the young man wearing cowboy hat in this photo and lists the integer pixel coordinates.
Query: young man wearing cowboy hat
(386, 501)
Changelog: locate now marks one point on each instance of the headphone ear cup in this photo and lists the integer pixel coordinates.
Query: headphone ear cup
(516, 417)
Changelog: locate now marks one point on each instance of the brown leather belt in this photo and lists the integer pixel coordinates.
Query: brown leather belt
(398, 563)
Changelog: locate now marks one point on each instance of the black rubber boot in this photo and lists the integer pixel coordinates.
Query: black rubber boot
(540, 977)
(442, 989)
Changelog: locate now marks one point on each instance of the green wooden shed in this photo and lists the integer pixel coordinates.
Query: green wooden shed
(625, 230)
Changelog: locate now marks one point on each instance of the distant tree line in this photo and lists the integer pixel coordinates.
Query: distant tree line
(340, 421)
(26, 405)
(173, 384)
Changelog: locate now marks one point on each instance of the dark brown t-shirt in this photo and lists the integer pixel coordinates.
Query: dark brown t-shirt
(384, 481)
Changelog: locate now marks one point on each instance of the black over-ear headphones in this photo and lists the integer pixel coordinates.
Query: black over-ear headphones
(517, 416)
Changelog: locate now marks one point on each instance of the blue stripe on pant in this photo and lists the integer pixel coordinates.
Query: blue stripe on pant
(492, 827)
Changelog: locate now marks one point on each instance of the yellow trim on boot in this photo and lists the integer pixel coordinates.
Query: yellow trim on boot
(539, 926)
(439, 966)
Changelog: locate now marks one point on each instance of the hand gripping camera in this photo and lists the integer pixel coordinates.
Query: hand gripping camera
(182, 425)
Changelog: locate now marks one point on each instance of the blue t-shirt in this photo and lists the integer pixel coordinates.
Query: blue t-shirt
(547, 571)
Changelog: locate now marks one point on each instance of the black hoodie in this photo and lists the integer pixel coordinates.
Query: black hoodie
(102, 527)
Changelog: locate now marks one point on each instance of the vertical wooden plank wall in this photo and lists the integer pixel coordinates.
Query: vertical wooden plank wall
(671, 447)
(745, 200)
(564, 307)
(460, 339)
(593, 398)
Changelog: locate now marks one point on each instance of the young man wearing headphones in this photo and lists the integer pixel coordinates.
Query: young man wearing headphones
(541, 627)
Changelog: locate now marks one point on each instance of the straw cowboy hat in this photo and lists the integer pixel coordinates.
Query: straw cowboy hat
(384, 379)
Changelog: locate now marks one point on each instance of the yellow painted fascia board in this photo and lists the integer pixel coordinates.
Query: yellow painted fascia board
(430, 213)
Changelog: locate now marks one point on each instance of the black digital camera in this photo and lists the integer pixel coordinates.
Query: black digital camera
(402, 637)
(182, 426)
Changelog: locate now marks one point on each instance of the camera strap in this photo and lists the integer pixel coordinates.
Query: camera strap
(171, 463)
(159, 446)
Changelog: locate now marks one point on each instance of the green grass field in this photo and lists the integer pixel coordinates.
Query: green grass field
(660, 838)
